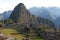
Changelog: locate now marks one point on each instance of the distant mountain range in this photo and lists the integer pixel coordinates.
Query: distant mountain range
(5, 15)
(51, 13)
(41, 12)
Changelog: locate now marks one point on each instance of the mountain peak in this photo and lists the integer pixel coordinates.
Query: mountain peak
(21, 5)
(21, 15)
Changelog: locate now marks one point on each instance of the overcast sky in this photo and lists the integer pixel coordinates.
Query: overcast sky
(6, 5)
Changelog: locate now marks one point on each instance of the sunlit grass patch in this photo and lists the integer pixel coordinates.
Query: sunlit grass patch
(8, 32)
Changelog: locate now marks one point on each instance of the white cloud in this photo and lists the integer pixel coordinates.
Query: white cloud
(10, 4)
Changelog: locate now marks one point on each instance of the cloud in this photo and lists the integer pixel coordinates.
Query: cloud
(7, 5)
(10, 4)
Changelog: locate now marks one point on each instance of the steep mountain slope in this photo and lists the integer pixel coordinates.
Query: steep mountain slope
(21, 15)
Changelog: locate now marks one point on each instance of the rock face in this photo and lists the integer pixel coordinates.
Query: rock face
(21, 15)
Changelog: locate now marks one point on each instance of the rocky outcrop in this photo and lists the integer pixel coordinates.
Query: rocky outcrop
(21, 15)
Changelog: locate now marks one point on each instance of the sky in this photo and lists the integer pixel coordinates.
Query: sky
(6, 5)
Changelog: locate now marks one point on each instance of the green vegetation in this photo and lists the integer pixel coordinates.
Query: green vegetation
(8, 32)
(37, 39)
(17, 35)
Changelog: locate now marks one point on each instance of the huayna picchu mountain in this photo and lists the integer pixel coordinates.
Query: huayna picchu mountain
(22, 18)
(21, 15)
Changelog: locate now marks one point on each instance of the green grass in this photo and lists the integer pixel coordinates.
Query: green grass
(8, 32)
(37, 38)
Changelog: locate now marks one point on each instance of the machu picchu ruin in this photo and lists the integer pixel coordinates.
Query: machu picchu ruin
(22, 23)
